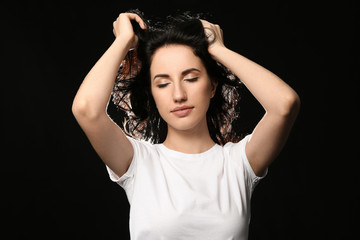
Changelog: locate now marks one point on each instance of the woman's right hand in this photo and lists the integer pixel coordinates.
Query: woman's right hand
(123, 29)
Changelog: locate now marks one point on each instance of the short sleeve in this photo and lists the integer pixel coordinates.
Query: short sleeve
(127, 179)
(238, 153)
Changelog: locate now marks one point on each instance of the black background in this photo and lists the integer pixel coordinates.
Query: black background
(55, 186)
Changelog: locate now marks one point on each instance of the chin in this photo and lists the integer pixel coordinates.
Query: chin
(185, 124)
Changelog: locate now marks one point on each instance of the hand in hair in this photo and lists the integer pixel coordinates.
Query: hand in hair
(214, 34)
(122, 28)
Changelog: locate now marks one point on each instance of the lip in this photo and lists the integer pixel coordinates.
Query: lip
(182, 111)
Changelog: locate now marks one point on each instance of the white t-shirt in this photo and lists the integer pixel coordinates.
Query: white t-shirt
(181, 196)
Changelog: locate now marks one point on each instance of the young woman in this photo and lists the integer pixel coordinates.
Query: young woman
(195, 180)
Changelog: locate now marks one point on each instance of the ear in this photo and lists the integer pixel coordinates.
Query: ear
(214, 85)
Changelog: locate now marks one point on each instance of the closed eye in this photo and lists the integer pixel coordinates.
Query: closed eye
(191, 79)
(162, 85)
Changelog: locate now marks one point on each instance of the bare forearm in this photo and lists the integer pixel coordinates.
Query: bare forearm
(95, 90)
(273, 93)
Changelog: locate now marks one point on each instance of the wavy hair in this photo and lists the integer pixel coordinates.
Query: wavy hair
(132, 89)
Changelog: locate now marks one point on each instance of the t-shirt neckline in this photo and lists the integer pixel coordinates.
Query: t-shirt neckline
(188, 156)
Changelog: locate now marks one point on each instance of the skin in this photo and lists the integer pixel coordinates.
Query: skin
(186, 134)
(172, 88)
(280, 102)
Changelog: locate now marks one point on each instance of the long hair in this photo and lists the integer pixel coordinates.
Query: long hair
(132, 89)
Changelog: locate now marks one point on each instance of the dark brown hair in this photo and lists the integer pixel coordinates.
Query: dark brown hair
(132, 89)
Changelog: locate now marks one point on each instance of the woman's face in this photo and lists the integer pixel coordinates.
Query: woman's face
(180, 86)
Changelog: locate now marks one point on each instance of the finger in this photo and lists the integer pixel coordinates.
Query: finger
(133, 16)
(205, 23)
(114, 28)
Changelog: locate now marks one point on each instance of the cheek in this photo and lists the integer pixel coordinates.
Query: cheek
(160, 99)
(203, 93)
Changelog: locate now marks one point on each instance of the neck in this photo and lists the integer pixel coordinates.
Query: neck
(192, 141)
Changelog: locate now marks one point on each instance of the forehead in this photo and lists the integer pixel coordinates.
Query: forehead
(172, 59)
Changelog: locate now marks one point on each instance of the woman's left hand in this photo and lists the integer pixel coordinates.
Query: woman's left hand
(214, 34)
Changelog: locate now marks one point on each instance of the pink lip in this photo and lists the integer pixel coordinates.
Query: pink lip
(182, 111)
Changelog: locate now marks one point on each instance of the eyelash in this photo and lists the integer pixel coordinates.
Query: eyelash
(192, 79)
(162, 85)
(189, 80)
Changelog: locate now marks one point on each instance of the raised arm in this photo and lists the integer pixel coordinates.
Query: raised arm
(89, 106)
(280, 101)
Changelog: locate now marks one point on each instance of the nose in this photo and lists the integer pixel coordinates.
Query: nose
(179, 94)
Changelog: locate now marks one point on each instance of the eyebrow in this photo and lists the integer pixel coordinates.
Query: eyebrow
(183, 73)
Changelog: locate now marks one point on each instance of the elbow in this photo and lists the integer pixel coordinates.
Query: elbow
(84, 111)
(78, 108)
(290, 106)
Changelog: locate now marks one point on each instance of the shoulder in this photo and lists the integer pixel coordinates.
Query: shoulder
(141, 147)
(237, 155)
(143, 150)
(237, 149)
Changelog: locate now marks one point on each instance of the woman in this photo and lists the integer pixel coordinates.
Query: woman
(196, 181)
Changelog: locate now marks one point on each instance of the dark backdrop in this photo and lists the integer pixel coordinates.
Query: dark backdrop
(54, 184)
